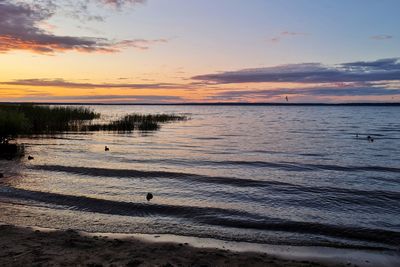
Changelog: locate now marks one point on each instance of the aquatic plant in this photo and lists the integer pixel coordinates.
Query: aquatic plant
(12, 124)
(27, 119)
(141, 122)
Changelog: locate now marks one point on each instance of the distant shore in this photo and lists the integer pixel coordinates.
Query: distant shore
(389, 104)
(32, 247)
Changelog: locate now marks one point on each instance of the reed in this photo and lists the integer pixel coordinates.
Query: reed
(141, 122)
(12, 124)
(26, 119)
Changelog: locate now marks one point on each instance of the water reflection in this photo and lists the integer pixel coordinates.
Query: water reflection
(285, 164)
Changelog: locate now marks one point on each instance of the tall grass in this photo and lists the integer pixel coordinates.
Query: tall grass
(28, 119)
(25, 119)
(11, 124)
(139, 122)
(47, 119)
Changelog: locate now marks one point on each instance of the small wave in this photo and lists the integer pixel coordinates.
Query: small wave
(292, 166)
(355, 195)
(205, 215)
(207, 138)
(312, 155)
(124, 173)
(293, 195)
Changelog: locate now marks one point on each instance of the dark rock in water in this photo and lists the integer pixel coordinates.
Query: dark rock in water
(1, 175)
(30, 158)
(10, 151)
(149, 196)
(106, 148)
(370, 139)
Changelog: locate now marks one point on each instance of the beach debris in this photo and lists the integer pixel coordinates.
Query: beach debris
(134, 263)
(30, 158)
(149, 196)
(106, 148)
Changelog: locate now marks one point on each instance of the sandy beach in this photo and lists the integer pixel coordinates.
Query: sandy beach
(28, 247)
(32, 247)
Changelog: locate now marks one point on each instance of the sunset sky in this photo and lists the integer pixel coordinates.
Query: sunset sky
(175, 51)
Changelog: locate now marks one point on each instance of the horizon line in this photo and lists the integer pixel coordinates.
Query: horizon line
(214, 104)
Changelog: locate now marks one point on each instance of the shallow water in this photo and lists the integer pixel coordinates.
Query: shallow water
(295, 175)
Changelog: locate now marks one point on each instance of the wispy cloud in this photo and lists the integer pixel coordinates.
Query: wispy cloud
(380, 70)
(67, 84)
(100, 98)
(119, 3)
(381, 37)
(20, 30)
(142, 44)
(285, 34)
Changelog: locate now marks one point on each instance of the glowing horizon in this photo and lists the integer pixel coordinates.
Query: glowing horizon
(152, 51)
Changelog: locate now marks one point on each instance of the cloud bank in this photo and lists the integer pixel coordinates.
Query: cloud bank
(20, 30)
(67, 84)
(241, 95)
(380, 70)
(101, 98)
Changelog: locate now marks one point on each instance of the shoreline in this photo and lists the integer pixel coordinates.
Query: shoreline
(41, 246)
(396, 104)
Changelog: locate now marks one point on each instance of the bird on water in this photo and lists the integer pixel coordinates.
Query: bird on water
(149, 196)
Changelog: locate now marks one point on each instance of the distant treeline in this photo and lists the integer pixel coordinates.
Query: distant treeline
(27, 119)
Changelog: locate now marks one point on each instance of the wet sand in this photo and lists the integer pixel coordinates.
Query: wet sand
(29, 247)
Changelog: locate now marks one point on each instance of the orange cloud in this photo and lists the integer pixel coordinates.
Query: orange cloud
(19, 30)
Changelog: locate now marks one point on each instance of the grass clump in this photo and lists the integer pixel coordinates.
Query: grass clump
(27, 119)
(47, 119)
(139, 122)
(12, 124)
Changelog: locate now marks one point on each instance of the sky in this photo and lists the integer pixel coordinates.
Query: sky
(182, 51)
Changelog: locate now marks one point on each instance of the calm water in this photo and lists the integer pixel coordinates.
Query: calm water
(280, 175)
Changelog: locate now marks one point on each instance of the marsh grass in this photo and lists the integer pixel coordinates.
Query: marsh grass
(11, 124)
(28, 119)
(25, 119)
(141, 122)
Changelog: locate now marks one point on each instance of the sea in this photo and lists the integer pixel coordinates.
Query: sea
(285, 175)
